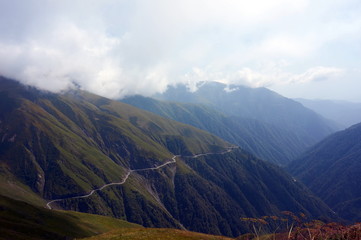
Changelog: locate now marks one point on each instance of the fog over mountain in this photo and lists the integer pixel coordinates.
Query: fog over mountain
(342, 112)
(116, 48)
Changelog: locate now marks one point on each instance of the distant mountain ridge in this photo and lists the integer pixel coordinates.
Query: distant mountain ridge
(343, 112)
(332, 170)
(301, 124)
(261, 139)
(56, 146)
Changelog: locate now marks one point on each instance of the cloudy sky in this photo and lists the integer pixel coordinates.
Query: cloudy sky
(299, 48)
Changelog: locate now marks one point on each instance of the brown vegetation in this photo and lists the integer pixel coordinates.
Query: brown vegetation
(294, 227)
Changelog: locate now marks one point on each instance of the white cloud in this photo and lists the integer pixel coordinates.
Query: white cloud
(120, 47)
(317, 74)
(65, 55)
(285, 46)
(273, 75)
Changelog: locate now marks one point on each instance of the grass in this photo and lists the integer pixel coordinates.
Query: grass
(154, 234)
(15, 190)
(99, 224)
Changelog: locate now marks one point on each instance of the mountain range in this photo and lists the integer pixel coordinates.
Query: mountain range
(264, 140)
(255, 103)
(262, 122)
(79, 151)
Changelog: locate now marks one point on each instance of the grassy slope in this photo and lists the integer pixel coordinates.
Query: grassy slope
(87, 145)
(152, 234)
(14, 189)
(71, 144)
(19, 220)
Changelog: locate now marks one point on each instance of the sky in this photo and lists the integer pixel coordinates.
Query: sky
(115, 48)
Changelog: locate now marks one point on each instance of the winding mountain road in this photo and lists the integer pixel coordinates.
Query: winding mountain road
(173, 160)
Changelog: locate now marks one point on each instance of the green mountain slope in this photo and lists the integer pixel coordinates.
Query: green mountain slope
(332, 169)
(260, 104)
(63, 147)
(261, 139)
(20, 221)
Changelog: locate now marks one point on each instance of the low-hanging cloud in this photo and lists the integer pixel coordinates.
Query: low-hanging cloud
(120, 47)
(317, 74)
(269, 77)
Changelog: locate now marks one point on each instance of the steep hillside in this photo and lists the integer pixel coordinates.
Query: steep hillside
(332, 170)
(261, 139)
(87, 153)
(260, 104)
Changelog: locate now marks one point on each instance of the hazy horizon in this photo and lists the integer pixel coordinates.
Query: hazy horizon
(300, 48)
